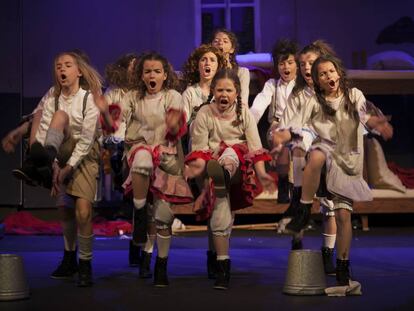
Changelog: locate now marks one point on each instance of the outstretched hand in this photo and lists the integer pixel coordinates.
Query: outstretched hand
(172, 119)
(382, 125)
(100, 103)
(267, 182)
(10, 141)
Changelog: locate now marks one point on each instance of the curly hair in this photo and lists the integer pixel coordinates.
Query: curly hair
(116, 74)
(231, 74)
(319, 47)
(89, 80)
(281, 52)
(344, 86)
(191, 74)
(170, 83)
(234, 44)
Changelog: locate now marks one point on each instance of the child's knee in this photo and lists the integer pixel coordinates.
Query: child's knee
(163, 215)
(142, 163)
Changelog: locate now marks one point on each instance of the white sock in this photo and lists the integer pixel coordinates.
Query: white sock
(139, 203)
(329, 240)
(223, 257)
(85, 247)
(149, 246)
(306, 202)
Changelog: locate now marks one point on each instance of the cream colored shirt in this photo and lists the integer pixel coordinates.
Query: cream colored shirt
(274, 93)
(294, 105)
(192, 97)
(210, 128)
(115, 96)
(83, 125)
(244, 77)
(146, 124)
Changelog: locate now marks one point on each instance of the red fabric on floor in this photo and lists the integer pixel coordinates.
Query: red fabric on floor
(406, 175)
(25, 223)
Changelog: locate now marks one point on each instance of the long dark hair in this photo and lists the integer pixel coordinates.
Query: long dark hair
(234, 43)
(170, 83)
(344, 86)
(116, 74)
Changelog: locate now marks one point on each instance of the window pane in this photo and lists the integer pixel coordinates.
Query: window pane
(210, 20)
(242, 24)
(212, 1)
(240, 1)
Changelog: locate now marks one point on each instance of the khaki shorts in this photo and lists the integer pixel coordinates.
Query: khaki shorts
(83, 183)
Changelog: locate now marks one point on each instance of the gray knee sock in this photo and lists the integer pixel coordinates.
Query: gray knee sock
(85, 247)
(54, 138)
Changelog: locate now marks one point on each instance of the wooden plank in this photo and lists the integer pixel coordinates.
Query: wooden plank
(263, 207)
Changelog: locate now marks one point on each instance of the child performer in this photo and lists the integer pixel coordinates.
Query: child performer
(226, 146)
(157, 121)
(30, 123)
(276, 93)
(68, 132)
(199, 71)
(300, 95)
(336, 113)
(226, 42)
(120, 78)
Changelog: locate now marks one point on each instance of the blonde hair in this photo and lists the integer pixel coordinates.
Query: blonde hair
(90, 80)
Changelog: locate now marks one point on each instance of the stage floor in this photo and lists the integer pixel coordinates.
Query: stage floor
(382, 261)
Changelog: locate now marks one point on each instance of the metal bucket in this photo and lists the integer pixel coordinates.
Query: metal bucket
(13, 284)
(305, 274)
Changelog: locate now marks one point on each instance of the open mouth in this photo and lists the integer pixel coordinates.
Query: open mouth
(286, 73)
(153, 84)
(307, 75)
(207, 70)
(331, 83)
(63, 76)
(224, 101)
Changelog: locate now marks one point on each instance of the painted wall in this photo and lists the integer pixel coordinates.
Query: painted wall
(106, 29)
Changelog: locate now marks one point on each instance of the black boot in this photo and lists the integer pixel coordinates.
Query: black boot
(211, 265)
(220, 177)
(134, 254)
(43, 157)
(223, 274)
(145, 265)
(28, 173)
(139, 234)
(160, 272)
(294, 202)
(327, 257)
(296, 244)
(301, 219)
(68, 266)
(283, 189)
(342, 272)
(85, 273)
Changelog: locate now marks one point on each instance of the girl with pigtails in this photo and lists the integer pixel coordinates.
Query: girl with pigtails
(227, 153)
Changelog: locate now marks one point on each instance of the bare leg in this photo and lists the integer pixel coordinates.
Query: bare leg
(344, 233)
(311, 175)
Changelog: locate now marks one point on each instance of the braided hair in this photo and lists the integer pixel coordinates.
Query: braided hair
(344, 86)
(231, 74)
